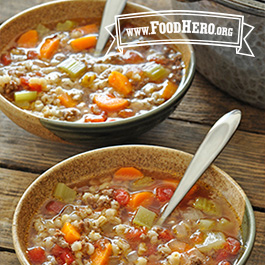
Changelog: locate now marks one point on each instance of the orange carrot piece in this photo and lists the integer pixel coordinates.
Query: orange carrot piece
(66, 100)
(128, 173)
(169, 90)
(70, 233)
(144, 199)
(49, 47)
(120, 83)
(83, 43)
(108, 103)
(87, 29)
(29, 39)
(101, 255)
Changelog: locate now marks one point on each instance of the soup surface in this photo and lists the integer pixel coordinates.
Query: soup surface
(51, 71)
(111, 219)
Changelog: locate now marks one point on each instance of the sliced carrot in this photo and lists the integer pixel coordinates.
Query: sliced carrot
(128, 173)
(70, 233)
(83, 43)
(144, 199)
(169, 90)
(120, 83)
(108, 103)
(29, 39)
(101, 255)
(87, 29)
(49, 47)
(66, 100)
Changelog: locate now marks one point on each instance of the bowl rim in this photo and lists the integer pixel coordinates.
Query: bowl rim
(248, 214)
(184, 85)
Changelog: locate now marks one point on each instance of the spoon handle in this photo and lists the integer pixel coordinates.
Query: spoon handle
(112, 8)
(210, 148)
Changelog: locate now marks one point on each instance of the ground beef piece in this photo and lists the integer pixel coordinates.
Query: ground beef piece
(10, 88)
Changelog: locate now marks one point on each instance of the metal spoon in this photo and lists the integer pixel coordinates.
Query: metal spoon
(112, 9)
(210, 148)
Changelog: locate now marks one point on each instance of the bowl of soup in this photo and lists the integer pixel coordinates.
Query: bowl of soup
(53, 85)
(101, 207)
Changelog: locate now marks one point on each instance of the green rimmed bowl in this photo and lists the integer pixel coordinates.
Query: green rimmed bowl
(100, 161)
(100, 133)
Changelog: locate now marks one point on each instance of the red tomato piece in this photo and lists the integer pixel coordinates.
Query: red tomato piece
(6, 59)
(131, 56)
(165, 235)
(164, 193)
(54, 206)
(35, 87)
(32, 55)
(62, 255)
(134, 234)
(222, 255)
(232, 245)
(37, 255)
(24, 81)
(121, 196)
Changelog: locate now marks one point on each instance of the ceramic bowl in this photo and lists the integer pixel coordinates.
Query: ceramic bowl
(86, 165)
(116, 131)
(243, 77)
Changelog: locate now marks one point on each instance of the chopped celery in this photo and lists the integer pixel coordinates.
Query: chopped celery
(142, 182)
(207, 206)
(64, 193)
(42, 30)
(206, 224)
(67, 25)
(25, 96)
(88, 79)
(72, 67)
(156, 72)
(144, 217)
(214, 240)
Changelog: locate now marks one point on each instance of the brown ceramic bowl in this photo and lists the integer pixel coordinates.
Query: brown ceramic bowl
(86, 165)
(92, 133)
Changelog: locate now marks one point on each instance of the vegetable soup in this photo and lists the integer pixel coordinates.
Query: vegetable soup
(111, 219)
(51, 71)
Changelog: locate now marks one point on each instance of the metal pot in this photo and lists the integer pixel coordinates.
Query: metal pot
(242, 77)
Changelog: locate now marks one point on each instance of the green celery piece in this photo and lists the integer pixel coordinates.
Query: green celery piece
(156, 72)
(142, 182)
(64, 193)
(67, 25)
(72, 67)
(207, 206)
(214, 240)
(144, 217)
(25, 96)
(42, 30)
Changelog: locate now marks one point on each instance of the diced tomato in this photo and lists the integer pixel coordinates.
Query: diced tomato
(121, 196)
(164, 193)
(134, 234)
(62, 255)
(35, 87)
(151, 249)
(37, 255)
(232, 245)
(165, 235)
(96, 118)
(131, 56)
(224, 262)
(32, 55)
(6, 59)
(222, 255)
(24, 81)
(54, 206)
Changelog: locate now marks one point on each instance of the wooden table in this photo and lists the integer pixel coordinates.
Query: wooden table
(23, 157)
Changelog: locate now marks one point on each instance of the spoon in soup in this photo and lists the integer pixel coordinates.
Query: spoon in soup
(212, 145)
(112, 9)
